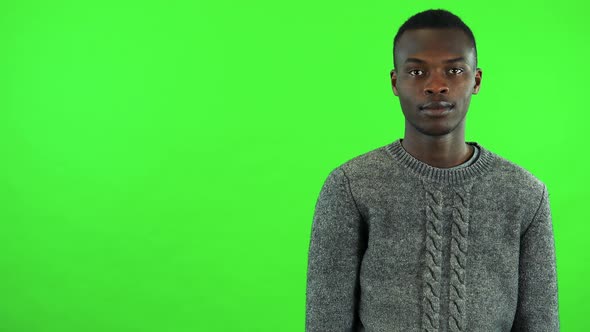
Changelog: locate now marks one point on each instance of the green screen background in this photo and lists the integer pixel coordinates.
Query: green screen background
(161, 160)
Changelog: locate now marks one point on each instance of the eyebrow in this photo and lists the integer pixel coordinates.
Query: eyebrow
(446, 61)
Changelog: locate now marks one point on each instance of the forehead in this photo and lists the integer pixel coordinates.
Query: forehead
(434, 44)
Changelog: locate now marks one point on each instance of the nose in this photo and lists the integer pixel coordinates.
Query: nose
(436, 84)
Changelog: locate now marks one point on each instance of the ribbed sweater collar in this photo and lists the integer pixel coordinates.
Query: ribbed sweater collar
(450, 176)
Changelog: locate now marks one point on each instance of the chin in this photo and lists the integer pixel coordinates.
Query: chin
(435, 132)
(439, 127)
(435, 129)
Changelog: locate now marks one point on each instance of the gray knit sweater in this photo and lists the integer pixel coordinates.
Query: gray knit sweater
(398, 246)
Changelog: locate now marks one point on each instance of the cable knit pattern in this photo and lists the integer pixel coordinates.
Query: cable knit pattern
(459, 233)
(433, 259)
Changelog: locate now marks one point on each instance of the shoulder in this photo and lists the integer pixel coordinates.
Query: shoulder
(371, 163)
(361, 170)
(515, 183)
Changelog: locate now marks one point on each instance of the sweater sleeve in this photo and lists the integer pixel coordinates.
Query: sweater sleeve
(537, 308)
(336, 248)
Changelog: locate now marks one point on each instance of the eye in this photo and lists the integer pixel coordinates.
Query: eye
(414, 72)
(456, 70)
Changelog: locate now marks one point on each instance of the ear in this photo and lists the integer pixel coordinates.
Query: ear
(478, 73)
(393, 76)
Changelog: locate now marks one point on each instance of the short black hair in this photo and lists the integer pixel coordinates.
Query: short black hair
(434, 19)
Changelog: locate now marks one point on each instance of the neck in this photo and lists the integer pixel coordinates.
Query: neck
(438, 151)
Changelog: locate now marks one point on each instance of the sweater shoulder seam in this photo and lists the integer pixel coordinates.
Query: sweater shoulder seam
(537, 210)
(349, 190)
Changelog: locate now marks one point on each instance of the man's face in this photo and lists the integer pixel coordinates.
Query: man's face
(435, 79)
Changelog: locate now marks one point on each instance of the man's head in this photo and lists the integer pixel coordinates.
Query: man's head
(435, 72)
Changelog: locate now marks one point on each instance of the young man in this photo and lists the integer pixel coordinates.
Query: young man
(429, 232)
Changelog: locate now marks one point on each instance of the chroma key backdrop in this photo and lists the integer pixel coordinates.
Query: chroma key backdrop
(160, 160)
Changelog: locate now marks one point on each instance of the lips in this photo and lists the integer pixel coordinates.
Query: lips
(436, 105)
(436, 109)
